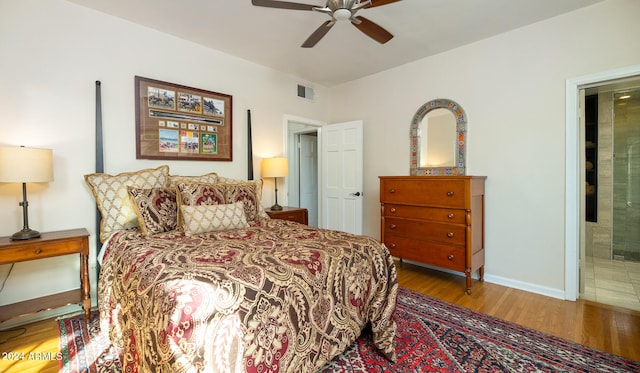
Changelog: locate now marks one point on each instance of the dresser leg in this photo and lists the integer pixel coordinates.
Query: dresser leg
(467, 274)
(481, 273)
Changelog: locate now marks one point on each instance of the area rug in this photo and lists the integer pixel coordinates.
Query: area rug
(432, 336)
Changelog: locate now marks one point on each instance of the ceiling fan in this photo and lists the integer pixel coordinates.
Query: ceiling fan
(339, 10)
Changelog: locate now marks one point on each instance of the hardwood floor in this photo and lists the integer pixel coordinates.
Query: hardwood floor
(28, 353)
(611, 329)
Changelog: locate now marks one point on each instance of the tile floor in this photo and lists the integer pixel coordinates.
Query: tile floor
(613, 282)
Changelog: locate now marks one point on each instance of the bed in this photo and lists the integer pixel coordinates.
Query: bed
(195, 277)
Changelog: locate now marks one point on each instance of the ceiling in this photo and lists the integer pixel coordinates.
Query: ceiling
(272, 37)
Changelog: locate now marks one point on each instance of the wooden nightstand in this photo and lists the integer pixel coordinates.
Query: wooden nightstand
(296, 214)
(50, 244)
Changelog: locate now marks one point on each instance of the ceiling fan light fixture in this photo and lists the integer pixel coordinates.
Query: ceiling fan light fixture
(338, 10)
(342, 14)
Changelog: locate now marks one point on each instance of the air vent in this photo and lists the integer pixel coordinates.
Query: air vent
(305, 92)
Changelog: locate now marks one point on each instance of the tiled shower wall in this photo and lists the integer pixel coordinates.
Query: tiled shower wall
(616, 233)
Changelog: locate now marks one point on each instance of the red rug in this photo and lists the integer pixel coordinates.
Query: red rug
(433, 336)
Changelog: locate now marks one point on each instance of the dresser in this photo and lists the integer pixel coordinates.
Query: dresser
(435, 220)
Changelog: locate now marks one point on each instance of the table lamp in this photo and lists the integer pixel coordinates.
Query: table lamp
(25, 165)
(275, 167)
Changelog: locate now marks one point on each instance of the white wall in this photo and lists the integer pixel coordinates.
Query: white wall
(51, 53)
(512, 88)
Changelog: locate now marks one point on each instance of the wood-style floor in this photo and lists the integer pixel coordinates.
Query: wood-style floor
(611, 329)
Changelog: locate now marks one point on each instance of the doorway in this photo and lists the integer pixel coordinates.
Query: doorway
(611, 245)
(575, 221)
(304, 163)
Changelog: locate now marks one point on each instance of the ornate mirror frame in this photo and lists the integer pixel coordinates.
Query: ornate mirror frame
(461, 132)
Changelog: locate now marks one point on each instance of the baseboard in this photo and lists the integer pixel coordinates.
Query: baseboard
(520, 285)
(503, 281)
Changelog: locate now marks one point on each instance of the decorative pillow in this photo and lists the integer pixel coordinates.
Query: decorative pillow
(260, 212)
(210, 218)
(210, 178)
(196, 194)
(156, 209)
(112, 198)
(248, 193)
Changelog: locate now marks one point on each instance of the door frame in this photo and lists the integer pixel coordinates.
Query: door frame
(573, 187)
(289, 121)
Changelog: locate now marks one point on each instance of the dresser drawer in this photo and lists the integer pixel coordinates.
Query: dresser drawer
(425, 230)
(34, 250)
(429, 192)
(442, 215)
(435, 254)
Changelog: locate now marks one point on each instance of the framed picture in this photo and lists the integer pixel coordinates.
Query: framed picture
(182, 123)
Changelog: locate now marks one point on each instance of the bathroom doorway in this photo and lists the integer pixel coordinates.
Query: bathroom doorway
(610, 268)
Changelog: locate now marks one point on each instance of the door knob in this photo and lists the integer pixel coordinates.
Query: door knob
(357, 194)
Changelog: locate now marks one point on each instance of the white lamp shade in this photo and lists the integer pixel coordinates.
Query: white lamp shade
(25, 165)
(275, 167)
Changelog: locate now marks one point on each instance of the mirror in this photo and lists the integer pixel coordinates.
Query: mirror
(438, 137)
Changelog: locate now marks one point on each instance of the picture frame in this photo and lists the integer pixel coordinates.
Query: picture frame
(177, 122)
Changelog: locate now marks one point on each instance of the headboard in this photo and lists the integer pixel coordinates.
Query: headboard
(99, 167)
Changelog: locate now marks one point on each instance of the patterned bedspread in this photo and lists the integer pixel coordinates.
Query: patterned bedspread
(275, 297)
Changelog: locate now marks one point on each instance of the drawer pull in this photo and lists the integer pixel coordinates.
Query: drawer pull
(450, 234)
(451, 216)
(393, 209)
(450, 257)
(392, 226)
(38, 251)
(450, 194)
(392, 190)
(392, 245)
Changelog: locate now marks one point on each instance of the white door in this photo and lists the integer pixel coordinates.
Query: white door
(342, 163)
(309, 176)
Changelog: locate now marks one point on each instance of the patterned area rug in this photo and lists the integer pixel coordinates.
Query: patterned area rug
(433, 336)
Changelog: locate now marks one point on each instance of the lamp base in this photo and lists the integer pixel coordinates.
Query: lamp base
(276, 207)
(25, 234)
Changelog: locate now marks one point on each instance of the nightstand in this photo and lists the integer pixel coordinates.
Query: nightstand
(297, 214)
(48, 245)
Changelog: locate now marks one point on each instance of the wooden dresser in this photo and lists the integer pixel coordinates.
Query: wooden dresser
(435, 220)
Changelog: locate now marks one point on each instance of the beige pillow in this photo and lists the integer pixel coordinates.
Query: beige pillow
(257, 189)
(210, 178)
(156, 209)
(112, 197)
(211, 218)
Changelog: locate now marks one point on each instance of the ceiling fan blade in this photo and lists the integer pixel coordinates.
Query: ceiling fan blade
(381, 2)
(318, 34)
(372, 30)
(282, 4)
